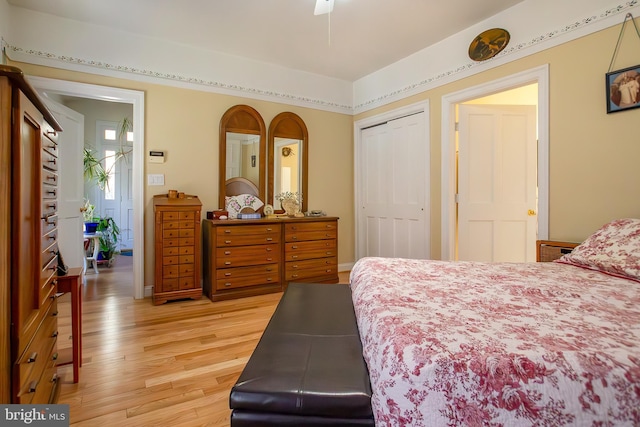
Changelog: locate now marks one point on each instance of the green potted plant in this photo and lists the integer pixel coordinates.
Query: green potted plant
(109, 238)
(94, 170)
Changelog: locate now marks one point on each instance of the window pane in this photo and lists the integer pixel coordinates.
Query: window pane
(110, 134)
(130, 136)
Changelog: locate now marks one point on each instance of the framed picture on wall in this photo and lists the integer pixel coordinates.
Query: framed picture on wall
(623, 89)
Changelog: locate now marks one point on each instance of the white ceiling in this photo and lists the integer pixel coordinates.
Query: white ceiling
(356, 39)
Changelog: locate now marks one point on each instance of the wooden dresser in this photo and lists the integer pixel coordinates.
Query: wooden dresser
(251, 257)
(178, 248)
(28, 235)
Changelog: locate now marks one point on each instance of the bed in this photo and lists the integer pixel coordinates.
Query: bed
(498, 344)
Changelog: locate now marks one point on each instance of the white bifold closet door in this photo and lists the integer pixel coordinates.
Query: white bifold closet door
(393, 190)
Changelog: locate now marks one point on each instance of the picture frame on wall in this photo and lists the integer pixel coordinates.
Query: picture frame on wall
(623, 89)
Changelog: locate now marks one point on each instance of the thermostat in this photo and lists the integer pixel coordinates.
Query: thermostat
(156, 156)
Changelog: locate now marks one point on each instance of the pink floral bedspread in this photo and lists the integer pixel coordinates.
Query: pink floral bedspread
(478, 344)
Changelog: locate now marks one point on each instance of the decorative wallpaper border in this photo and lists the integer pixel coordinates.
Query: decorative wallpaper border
(426, 83)
(318, 103)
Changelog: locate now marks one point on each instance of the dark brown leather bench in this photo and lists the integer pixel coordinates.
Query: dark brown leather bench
(307, 369)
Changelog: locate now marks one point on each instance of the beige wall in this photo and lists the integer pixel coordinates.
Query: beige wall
(185, 122)
(594, 173)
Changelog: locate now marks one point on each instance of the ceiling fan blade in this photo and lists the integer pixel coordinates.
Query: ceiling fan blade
(323, 6)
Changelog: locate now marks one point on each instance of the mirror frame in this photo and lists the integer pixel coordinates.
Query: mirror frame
(241, 119)
(289, 125)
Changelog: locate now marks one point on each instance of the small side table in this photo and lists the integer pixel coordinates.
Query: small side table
(72, 282)
(95, 237)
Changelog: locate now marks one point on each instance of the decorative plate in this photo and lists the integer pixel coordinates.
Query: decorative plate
(488, 44)
(268, 210)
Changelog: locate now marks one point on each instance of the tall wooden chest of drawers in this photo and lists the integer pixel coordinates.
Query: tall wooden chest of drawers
(178, 248)
(29, 244)
(251, 257)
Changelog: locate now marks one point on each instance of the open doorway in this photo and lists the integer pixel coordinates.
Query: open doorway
(136, 100)
(450, 103)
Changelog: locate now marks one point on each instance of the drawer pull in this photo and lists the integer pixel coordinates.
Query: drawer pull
(32, 386)
(293, 227)
(269, 249)
(295, 265)
(269, 269)
(227, 263)
(294, 237)
(227, 274)
(269, 239)
(55, 334)
(269, 259)
(54, 356)
(269, 279)
(295, 276)
(269, 229)
(33, 357)
(328, 235)
(52, 161)
(227, 252)
(52, 178)
(54, 378)
(329, 270)
(294, 257)
(227, 242)
(294, 247)
(54, 314)
(227, 284)
(51, 206)
(52, 132)
(52, 237)
(227, 231)
(328, 252)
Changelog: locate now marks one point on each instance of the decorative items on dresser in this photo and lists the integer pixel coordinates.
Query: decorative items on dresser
(251, 257)
(178, 247)
(28, 239)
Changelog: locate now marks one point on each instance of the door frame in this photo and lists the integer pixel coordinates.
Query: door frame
(539, 75)
(358, 127)
(127, 96)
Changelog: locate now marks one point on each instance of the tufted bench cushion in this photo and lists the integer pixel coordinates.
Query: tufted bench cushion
(307, 368)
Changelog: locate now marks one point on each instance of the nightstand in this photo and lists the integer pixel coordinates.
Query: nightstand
(549, 250)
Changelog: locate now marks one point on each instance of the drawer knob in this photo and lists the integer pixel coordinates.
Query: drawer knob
(294, 257)
(54, 356)
(269, 229)
(295, 276)
(269, 239)
(269, 259)
(54, 378)
(33, 357)
(227, 274)
(227, 242)
(269, 279)
(294, 247)
(269, 249)
(53, 161)
(54, 314)
(32, 386)
(227, 231)
(52, 132)
(227, 263)
(52, 178)
(227, 252)
(227, 284)
(294, 237)
(55, 334)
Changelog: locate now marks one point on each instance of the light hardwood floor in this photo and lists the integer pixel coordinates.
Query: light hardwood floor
(167, 365)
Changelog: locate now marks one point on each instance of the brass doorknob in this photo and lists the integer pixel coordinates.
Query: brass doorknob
(531, 212)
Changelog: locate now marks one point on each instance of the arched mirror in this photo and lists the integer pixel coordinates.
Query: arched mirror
(242, 149)
(288, 158)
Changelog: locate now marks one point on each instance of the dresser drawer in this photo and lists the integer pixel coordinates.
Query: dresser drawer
(246, 281)
(244, 230)
(49, 238)
(48, 280)
(296, 227)
(179, 241)
(49, 223)
(247, 255)
(37, 357)
(250, 239)
(310, 235)
(298, 266)
(49, 191)
(49, 207)
(330, 271)
(170, 216)
(49, 161)
(49, 177)
(232, 273)
(302, 255)
(178, 250)
(48, 254)
(50, 146)
(310, 245)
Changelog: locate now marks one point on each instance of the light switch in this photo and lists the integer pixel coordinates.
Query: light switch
(155, 179)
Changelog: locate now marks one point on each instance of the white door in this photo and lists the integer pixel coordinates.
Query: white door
(234, 158)
(71, 185)
(497, 183)
(116, 199)
(393, 188)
